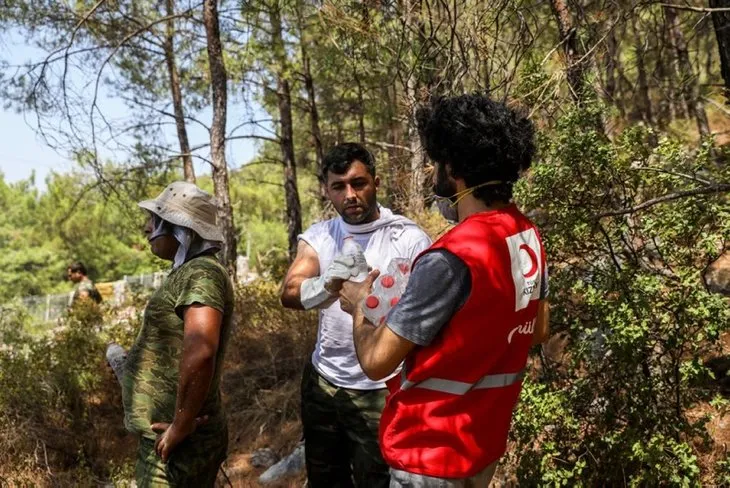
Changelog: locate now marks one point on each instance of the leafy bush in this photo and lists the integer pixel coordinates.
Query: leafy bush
(60, 406)
(626, 289)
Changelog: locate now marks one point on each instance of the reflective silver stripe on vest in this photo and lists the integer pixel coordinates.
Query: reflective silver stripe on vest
(461, 388)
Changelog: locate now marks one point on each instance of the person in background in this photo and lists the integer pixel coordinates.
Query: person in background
(475, 304)
(84, 288)
(171, 375)
(341, 406)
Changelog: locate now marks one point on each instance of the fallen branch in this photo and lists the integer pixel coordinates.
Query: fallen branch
(717, 106)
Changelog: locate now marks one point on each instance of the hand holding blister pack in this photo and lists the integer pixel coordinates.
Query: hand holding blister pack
(387, 290)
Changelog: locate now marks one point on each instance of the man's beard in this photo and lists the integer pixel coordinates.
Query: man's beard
(365, 217)
(444, 187)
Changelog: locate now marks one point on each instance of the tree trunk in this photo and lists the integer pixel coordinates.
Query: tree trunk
(689, 82)
(721, 23)
(417, 159)
(613, 77)
(665, 112)
(412, 13)
(643, 100)
(177, 100)
(360, 107)
(610, 83)
(339, 129)
(575, 67)
(286, 137)
(218, 84)
(680, 107)
(313, 111)
(394, 153)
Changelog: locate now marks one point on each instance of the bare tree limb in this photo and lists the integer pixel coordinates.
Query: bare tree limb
(386, 145)
(695, 9)
(674, 173)
(717, 188)
(94, 105)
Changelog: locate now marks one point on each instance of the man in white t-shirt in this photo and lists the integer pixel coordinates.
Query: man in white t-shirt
(341, 407)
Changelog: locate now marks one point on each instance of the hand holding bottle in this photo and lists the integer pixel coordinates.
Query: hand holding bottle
(387, 290)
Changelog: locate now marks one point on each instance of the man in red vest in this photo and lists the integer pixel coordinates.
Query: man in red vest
(474, 306)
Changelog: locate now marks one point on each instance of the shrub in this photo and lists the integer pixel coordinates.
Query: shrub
(60, 406)
(626, 289)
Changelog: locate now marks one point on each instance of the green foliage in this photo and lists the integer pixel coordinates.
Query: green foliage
(58, 398)
(626, 288)
(626, 284)
(722, 472)
(40, 234)
(29, 264)
(664, 461)
(259, 212)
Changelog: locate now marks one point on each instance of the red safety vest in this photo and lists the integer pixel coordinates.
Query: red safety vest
(448, 414)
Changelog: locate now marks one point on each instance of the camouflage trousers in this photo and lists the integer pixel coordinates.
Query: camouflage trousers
(186, 467)
(341, 434)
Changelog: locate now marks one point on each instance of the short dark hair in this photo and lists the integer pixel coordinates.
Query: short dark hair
(480, 139)
(339, 158)
(78, 267)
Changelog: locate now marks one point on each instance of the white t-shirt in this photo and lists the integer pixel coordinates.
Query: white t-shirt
(391, 236)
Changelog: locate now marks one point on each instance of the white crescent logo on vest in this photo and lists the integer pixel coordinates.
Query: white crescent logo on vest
(533, 261)
(526, 265)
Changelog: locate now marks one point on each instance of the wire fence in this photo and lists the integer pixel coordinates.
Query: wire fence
(49, 308)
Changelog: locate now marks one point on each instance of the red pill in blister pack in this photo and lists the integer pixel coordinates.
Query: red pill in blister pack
(375, 309)
(387, 290)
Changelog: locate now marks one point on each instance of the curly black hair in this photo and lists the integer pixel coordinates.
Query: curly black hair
(480, 139)
(340, 157)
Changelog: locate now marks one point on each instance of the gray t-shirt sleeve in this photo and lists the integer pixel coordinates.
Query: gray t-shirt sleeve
(438, 287)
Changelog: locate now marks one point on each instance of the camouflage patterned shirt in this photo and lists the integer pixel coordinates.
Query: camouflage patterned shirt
(149, 385)
(86, 285)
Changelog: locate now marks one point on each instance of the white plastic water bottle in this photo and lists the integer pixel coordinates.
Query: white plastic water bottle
(116, 357)
(352, 248)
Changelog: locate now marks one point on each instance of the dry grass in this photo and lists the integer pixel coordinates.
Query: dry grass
(268, 349)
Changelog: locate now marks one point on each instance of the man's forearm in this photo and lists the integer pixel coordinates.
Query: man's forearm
(379, 349)
(301, 293)
(196, 374)
(291, 294)
(364, 337)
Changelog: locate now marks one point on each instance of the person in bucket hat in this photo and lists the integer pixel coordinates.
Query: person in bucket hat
(171, 375)
(185, 205)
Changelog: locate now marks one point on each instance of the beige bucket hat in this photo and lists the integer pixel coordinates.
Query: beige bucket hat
(184, 204)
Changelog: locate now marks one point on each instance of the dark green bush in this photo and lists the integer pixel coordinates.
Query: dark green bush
(626, 289)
